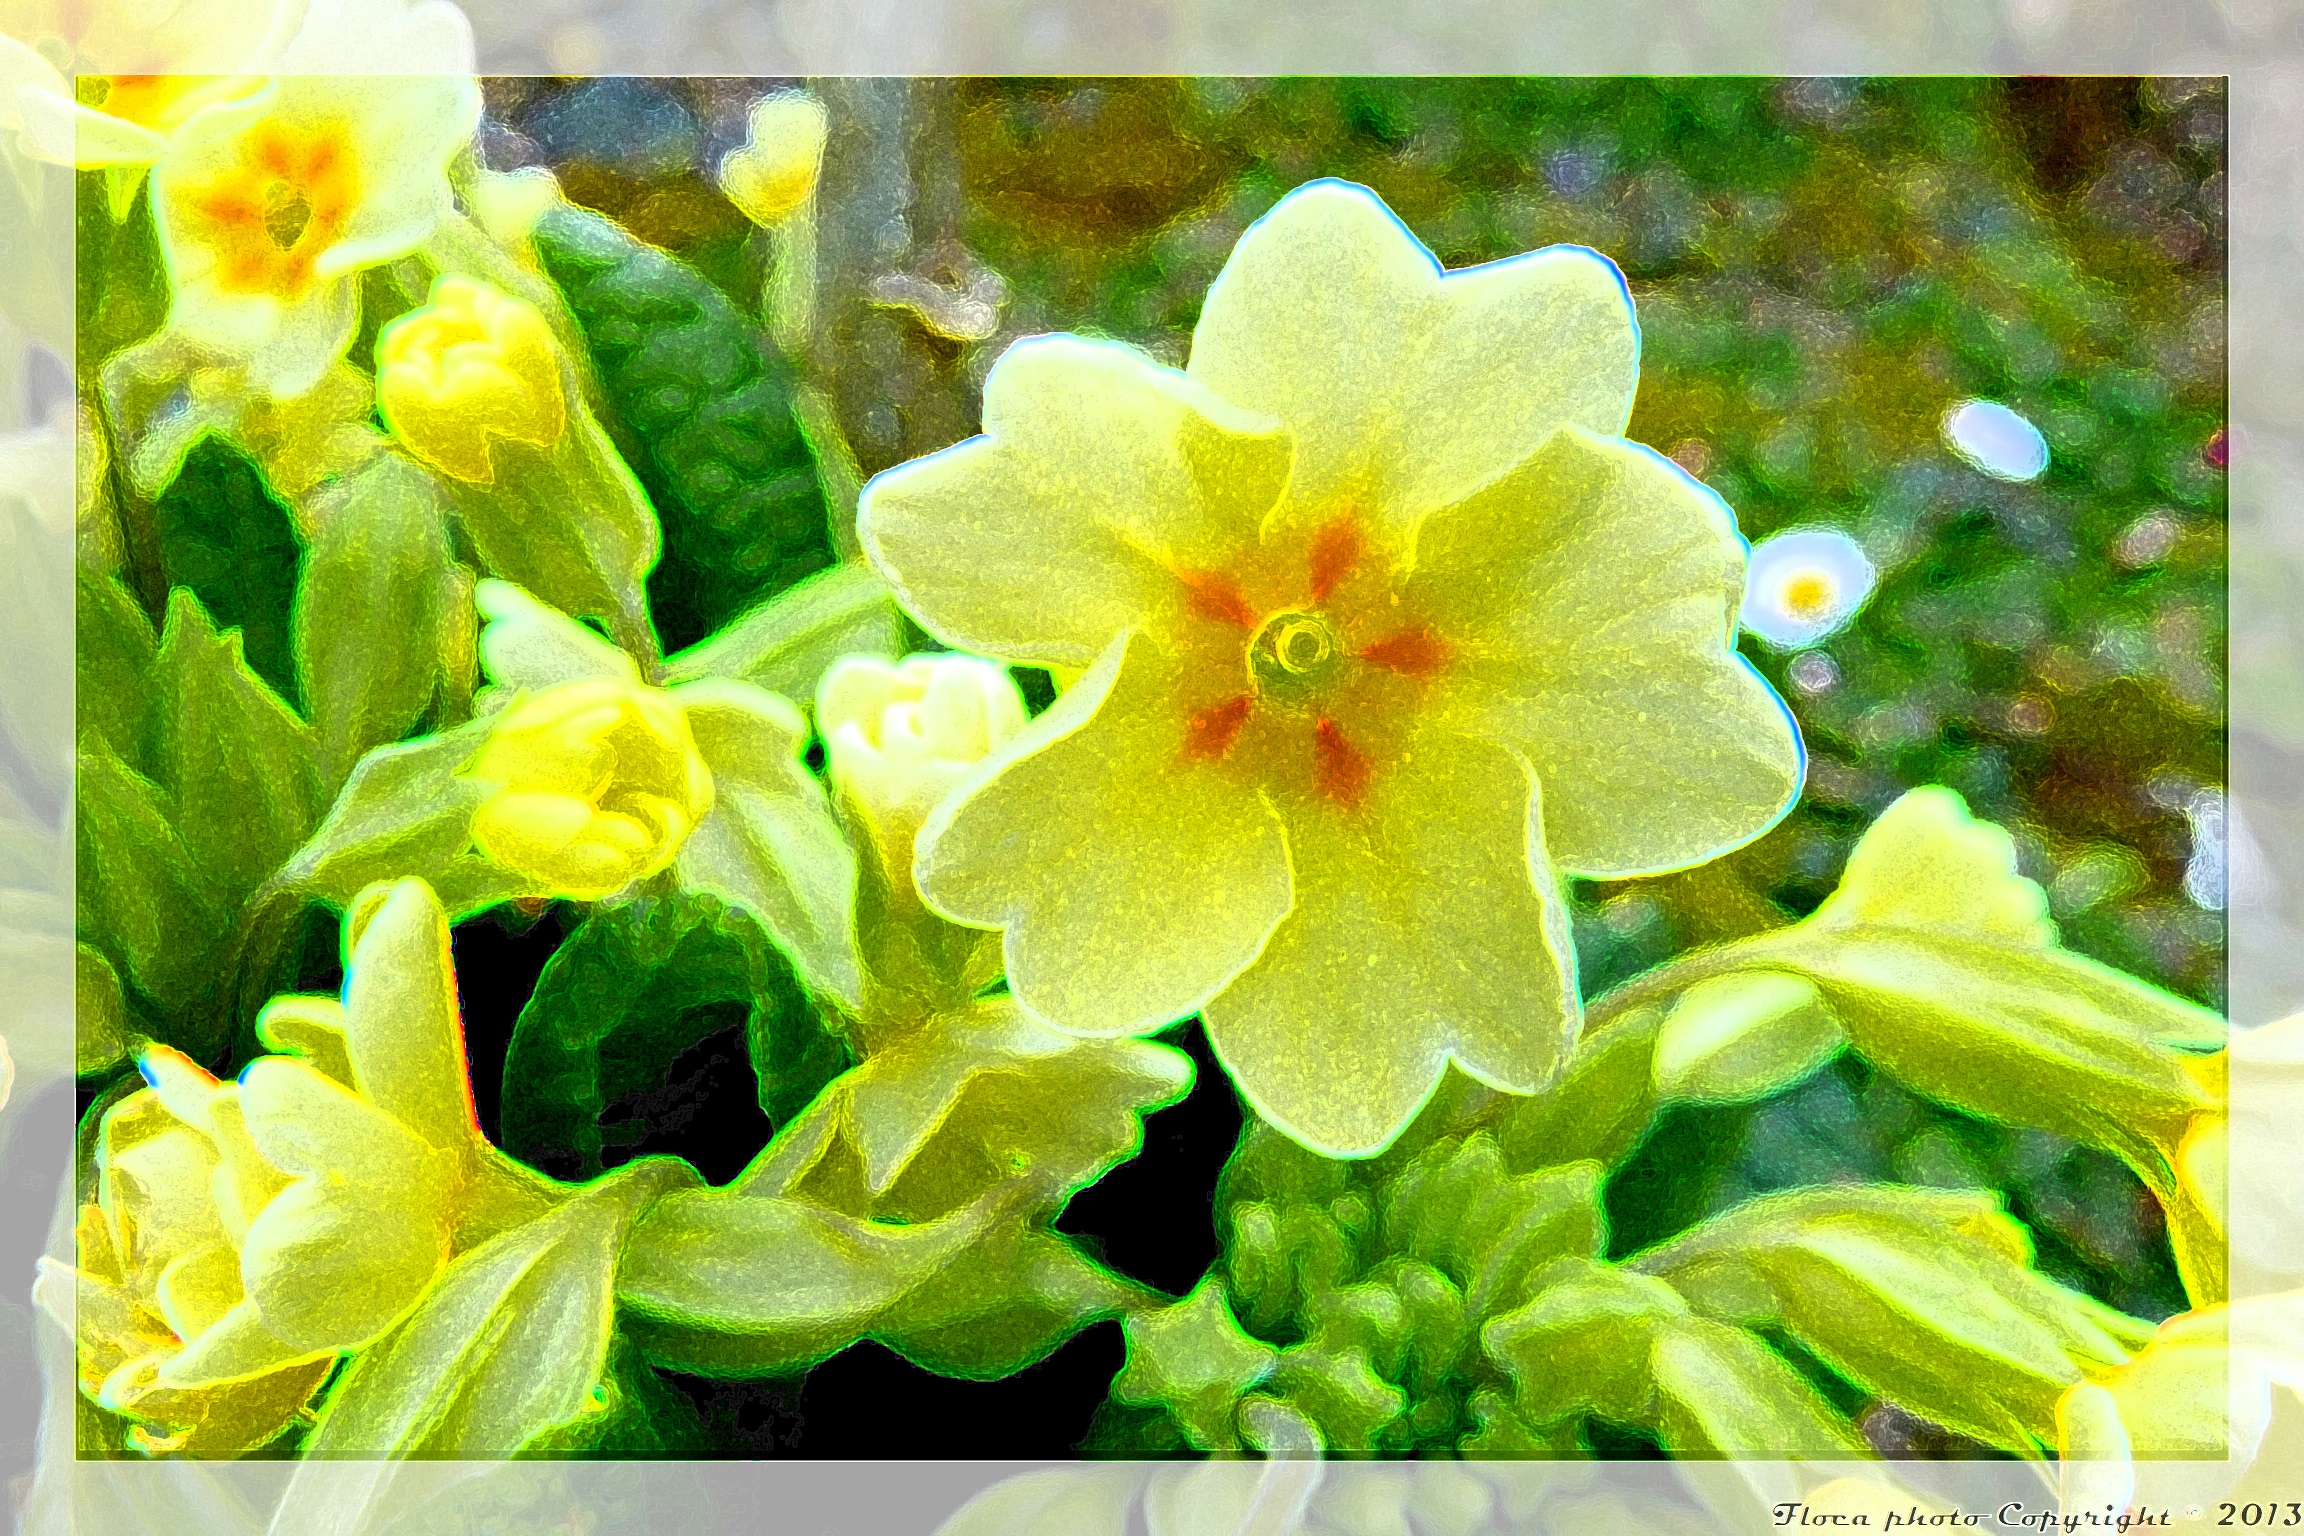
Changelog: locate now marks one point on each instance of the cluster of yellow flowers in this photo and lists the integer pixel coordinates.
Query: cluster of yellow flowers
(1374, 627)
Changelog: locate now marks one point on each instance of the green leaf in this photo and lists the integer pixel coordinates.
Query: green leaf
(372, 615)
(710, 404)
(1924, 1297)
(950, 1263)
(239, 764)
(227, 537)
(1194, 1359)
(769, 843)
(113, 652)
(570, 524)
(727, 1283)
(1599, 1106)
(510, 1344)
(1582, 1345)
(407, 811)
(625, 994)
(787, 643)
(120, 283)
(991, 1093)
(1003, 1304)
(140, 896)
(101, 1036)
(1723, 1394)
(1744, 1036)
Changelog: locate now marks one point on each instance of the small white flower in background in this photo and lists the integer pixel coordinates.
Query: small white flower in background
(1996, 440)
(2206, 874)
(899, 735)
(7, 1073)
(1803, 585)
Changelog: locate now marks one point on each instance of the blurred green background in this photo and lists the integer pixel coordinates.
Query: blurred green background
(1821, 269)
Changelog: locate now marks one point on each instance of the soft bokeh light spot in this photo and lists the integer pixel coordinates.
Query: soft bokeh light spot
(1996, 440)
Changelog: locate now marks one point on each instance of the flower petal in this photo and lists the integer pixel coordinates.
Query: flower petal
(312, 1127)
(1428, 927)
(1099, 475)
(198, 1288)
(331, 1266)
(1133, 884)
(402, 1027)
(528, 643)
(1403, 388)
(236, 1347)
(1592, 593)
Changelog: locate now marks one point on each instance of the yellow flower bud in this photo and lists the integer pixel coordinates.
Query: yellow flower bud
(899, 736)
(599, 783)
(474, 362)
(775, 169)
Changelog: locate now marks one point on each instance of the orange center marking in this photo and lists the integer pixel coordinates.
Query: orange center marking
(1344, 771)
(1213, 730)
(1214, 595)
(1414, 652)
(1335, 550)
(289, 199)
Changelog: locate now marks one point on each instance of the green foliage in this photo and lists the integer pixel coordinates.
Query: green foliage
(710, 405)
(624, 995)
(380, 562)
(512, 1341)
(940, 1250)
(236, 760)
(224, 535)
(1926, 1298)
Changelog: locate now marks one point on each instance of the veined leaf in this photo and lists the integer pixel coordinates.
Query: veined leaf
(786, 643)
(373, 609)
(238, 763)
(710, 404)
(510, 1344)
(1924, 1297)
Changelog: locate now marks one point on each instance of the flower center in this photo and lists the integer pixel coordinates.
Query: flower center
(269, 217)
(1808, 595)
(1292, 655)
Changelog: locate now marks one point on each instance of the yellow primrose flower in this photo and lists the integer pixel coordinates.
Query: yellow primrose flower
(144, 68)
(898, 736)
(1385, 625)
(244, 1234)
(600, 783)
(269, 206)
(773, 172)
(475, 362)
